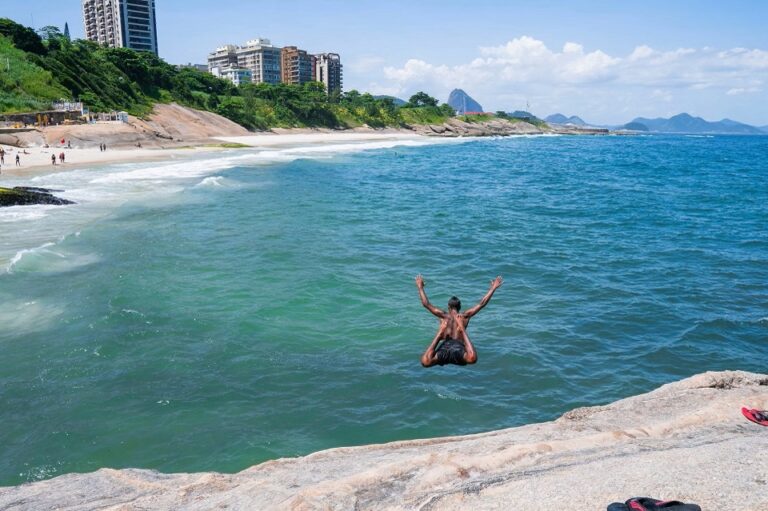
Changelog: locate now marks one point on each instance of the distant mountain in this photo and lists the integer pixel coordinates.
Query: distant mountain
(463, 102)
(561, 119)
(764, 128)
(684, 123)
(634, 126)
(397, 101)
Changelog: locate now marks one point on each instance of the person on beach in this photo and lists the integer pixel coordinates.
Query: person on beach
(2, 156)
(53, 159)
(456, 347)
(18, 161)
(61, 157)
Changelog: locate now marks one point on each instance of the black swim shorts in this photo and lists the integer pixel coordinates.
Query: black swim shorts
(451, 351)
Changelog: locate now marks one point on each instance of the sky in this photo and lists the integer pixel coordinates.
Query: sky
(607, 61)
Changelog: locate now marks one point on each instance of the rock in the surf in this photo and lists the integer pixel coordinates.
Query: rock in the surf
(27, 196)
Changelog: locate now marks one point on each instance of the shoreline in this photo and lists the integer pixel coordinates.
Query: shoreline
(654, 444)
(38, 159)
(176, 131)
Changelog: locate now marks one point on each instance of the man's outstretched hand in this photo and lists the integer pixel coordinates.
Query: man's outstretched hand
(419, 281)
(497, 282)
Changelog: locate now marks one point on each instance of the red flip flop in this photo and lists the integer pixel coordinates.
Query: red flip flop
(755, 416)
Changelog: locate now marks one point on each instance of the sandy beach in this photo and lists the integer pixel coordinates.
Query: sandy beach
(37, 159)
(171, 131)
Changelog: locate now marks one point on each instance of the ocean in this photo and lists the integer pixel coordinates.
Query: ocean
(216, 311)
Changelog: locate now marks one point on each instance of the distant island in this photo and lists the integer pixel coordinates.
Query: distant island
(680, 123)
(561, 119)
(686, 123)
(635, 126)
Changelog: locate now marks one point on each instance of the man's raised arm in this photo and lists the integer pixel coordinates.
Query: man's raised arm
(495, 284)
(424, 300)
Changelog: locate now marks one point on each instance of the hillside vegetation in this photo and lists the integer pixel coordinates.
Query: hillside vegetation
(24, 86)
(41, 70)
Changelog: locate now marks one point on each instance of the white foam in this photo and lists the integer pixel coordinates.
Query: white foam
(49, 260)
(20, 317)
(98, 191)
(21, 253)
(23, 213)
(212, 182)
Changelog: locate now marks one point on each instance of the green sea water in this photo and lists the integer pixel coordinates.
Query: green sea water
(221, 310)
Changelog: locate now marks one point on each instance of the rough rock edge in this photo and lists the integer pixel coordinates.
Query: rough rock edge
(27, 196)
(684, 440)
(498, 127)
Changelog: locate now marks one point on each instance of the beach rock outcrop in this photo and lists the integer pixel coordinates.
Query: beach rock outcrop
(27, 196)
(458, 128)
(686, 440)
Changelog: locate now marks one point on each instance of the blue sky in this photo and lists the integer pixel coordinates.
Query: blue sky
(607, 61)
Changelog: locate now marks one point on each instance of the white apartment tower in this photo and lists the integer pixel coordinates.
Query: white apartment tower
(262, 59)
(121, 23)
(257, 55)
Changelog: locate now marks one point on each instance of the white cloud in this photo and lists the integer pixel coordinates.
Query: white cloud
(366, 63)
(743, 90)
(663, 95)
(526, 63)
(641, 52)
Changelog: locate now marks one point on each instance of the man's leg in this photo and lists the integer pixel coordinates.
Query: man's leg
(470, 355)
(428, 359)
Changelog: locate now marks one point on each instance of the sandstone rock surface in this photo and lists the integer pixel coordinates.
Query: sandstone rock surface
(686, 440)
(168, 126)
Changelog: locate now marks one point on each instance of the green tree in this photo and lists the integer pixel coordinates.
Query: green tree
(213, 102)
(447, 110)
(421, 99)
(23, 38)
(49, 32)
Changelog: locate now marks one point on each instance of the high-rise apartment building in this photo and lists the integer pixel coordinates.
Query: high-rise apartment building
(298, 66)
(258, 56)
(224, 57)
(328, 70)
(262, 59)
(121, 23)
(272, 64)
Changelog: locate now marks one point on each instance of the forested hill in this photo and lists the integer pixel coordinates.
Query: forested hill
(46, 66)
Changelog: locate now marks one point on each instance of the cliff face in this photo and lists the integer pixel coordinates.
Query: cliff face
(686, 440)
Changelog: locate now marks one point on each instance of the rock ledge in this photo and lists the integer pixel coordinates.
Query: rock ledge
(686, 440)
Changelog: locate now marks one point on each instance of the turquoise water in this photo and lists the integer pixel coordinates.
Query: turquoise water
(215, 312)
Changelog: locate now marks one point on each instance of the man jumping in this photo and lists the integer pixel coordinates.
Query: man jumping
(456, 347)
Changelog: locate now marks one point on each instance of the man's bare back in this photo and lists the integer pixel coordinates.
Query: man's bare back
(456, 347)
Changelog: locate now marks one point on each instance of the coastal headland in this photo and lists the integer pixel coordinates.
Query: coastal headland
(686, 440)
(174, 130)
